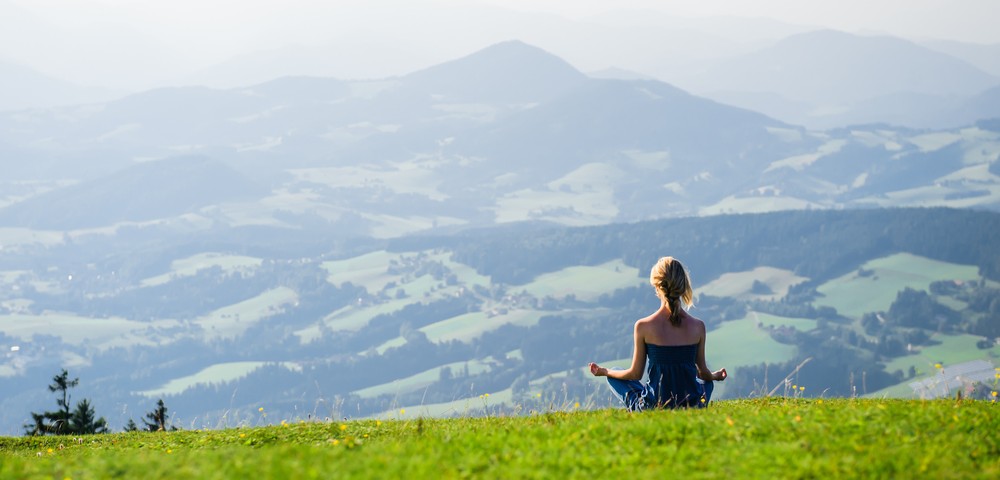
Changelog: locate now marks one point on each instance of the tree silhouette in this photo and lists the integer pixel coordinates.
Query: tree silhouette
(84, 421)
(157, 419)
(131, 426)
(63, 421)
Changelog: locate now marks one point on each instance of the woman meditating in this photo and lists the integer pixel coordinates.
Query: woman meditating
(673, 342)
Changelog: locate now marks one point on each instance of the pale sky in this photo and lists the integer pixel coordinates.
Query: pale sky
(138, 43)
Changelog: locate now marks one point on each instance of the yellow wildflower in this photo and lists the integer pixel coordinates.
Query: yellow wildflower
(576, 405)
(50, 450)
(402, 411)
(343, 427)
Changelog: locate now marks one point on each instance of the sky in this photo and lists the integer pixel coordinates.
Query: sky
(140, 43)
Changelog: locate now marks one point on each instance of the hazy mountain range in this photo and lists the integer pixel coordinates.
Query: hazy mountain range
(509, 133)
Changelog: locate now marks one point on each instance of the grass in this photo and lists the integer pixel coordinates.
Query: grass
(853, 295)
(587, 283)
(759, 438)
(740, 284)
(213, 374)
(741, 342)
(231, 321)
(192, 265)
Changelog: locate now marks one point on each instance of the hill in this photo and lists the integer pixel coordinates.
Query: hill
(467, 144)
(775, 436)
(841, 79)
(146, 191)
(255, 315)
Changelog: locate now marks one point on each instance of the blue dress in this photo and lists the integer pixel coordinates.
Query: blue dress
(672, 381)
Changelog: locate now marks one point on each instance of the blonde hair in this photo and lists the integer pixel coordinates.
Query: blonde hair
(672, 285)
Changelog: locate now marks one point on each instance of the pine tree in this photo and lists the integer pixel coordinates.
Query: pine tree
(57, 422)
(131, 426)
(84, 421)
(157, 418)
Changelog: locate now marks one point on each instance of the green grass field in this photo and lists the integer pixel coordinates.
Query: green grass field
(231, 321)
(191, 265)
(853, 295)
(740, 284)
(586, 283)
(423, 379)
(741, 342)
(760, 438)
(213, 374)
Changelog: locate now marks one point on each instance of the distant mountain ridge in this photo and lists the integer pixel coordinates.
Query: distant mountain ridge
(143, 192)
(832, 73)
(506, 134)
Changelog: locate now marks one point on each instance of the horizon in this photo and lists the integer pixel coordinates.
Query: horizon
(120, 45)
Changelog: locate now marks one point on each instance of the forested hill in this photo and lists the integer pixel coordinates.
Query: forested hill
(815, 244)
(220, 323)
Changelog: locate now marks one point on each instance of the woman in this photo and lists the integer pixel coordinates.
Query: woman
(674, 344)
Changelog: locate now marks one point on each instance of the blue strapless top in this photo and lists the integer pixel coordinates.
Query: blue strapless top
(673, 376)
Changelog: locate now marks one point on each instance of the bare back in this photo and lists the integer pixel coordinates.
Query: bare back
(657, 329)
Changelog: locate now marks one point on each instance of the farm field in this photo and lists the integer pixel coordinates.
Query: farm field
(214, 374)
(854, 294)
(740, 284)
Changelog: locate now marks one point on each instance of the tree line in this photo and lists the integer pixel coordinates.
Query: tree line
(83, 419)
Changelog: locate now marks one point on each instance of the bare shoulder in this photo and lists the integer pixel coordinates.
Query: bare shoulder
(696, 322)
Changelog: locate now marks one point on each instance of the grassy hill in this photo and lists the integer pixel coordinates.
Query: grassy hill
(759, 438)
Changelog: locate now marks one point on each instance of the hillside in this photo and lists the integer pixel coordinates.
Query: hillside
(774, 437)
(253, 315)
(827, 78)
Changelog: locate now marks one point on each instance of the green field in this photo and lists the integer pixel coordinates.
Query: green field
(760, 438)
(231, 321)
(423, 379)
(800, 324)
(853, 295)
(214, 374)
(739, 284)
(741, 342)
(75, 330)
(193, 264)
(586, 283)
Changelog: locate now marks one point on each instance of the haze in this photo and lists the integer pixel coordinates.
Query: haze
(131, 46)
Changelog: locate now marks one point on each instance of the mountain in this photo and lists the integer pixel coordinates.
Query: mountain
(143, 192)
(506, 72)
(834, 73)
(983, 57)
(22, 87)
(505, 134)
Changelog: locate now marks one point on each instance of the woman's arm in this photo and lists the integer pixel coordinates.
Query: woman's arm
(634, 372)
(703, 372)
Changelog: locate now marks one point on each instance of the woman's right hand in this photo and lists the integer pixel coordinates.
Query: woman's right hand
(598, 371)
